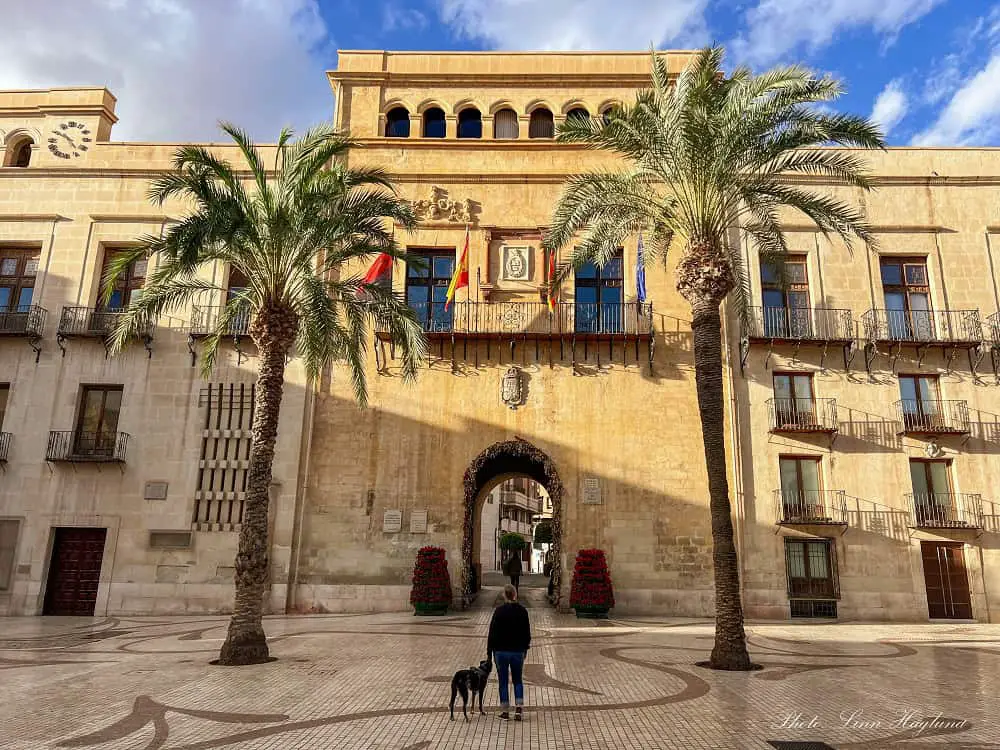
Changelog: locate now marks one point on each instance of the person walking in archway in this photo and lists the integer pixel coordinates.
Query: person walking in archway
(512, 568)
(508, 642)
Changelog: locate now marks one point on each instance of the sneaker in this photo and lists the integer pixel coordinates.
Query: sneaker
(518, 713)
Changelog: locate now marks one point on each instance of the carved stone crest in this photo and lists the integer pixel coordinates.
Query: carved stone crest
(440, 207)
(511, 388)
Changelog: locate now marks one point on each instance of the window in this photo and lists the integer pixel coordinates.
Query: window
(18, 268)
(579, 113)
(128, 285)
(434, 123)
(8, 549)
(4, 395)
(598, 301)
(470, 123)
(427, 288)
(794, 404)
(397, 123)
(240, 324)
(932, 497)
(609, 112)
(809, 565)
(97, 424)
(786, 305)
(920, 402)
(541, 124)
(801, 490)
(505, 126)
(907, 298)
(19, 153)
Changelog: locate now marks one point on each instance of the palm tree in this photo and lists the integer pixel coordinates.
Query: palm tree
(705, 156)
(291, 231)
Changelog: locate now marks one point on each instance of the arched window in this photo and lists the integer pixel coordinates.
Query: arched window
(578, 112)
(541, 124)
(610, 111)
(505, 124)
(434, 126)
(397, 123)
(470, 123)
(19, 153)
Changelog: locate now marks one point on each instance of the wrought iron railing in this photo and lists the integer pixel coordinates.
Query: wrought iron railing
(90, 447)
(932, 417)
(824, 507)
(204, 320)
(993, 328)
(800, 323)
(956, 510)
(803, 414)
(923, 326)
(91, 321)
(5, 439)
(535, 318)
(24, 320)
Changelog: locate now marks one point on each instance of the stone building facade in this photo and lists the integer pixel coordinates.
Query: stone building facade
(122, 476)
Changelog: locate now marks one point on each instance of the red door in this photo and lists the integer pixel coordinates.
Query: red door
(948, 594)
(74, 572)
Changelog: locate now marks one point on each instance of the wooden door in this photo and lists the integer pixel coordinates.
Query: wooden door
(74, 572)
(948, 594)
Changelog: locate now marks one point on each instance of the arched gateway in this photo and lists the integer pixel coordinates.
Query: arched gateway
(499, 461)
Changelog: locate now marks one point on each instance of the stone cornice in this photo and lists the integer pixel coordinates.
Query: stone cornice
(484, 80)
(32, 217)
(878, 228)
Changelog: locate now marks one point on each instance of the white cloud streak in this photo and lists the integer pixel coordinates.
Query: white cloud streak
(891, 106)
(176, 66)
(972, 116)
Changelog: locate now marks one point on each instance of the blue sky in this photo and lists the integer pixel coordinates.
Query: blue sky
(927, 70)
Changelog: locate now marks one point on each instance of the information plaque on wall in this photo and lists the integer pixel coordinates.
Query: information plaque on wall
(418, 521)
(591, 491)
(392, 521)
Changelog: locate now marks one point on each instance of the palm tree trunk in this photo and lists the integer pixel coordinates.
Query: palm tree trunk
(730, 651)
(245, 642)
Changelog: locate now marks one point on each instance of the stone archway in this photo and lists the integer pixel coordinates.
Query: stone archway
(509, 457)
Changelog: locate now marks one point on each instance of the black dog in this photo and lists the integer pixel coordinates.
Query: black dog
(472, 680)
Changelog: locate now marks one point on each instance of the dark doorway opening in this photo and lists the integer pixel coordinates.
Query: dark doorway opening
(74, 572)
(498, 463)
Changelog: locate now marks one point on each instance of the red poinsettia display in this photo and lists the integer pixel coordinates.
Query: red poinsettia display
(592, 588)
(431, 582)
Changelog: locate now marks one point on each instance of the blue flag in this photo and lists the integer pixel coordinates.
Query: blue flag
(640, 273)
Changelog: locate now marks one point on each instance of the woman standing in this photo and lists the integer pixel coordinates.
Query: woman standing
(512, 568)
(508, 642)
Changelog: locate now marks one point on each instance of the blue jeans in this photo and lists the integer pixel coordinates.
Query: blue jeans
(513, 661)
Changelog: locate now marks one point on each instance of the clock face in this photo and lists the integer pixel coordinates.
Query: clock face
(70, 139)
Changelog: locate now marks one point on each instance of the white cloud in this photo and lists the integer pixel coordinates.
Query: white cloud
(176, 66)
(775, 28)
(578, 24)
(396, 18)
(890, 106)
(972, 116)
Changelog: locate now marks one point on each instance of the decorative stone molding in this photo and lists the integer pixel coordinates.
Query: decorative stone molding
(440, 207)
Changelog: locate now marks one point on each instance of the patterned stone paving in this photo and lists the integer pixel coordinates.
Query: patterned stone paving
(381, 681)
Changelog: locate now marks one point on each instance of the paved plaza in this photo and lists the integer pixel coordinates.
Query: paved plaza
(382, 681)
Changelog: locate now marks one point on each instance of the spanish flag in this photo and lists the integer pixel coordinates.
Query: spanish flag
(553, 290)
(461, 277)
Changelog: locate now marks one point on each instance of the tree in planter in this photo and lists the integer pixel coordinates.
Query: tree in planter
(512, 542)
(705, 156)
(292, 231)
(591, 591)
(543, 532)
(431, 583)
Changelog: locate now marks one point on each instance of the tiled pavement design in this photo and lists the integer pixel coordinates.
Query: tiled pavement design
(381, 681)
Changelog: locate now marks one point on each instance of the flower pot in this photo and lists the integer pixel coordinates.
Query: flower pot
(424, 609)
(592, 613)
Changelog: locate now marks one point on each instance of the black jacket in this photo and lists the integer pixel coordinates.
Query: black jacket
(512, 566)
(509, 629)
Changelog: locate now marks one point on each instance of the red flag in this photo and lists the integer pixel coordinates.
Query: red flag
(381, 266)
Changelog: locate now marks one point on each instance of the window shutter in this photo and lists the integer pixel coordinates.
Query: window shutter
(505, 125)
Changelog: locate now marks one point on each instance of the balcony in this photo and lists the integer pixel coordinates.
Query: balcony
(204, 320)
(534, 320)
(924, 327)
(946, 510)
(811, 508)
(71, 446)
(993, 329)
(803, 415)
(92, 322)
(925, 417)
(5, 439)
(821, 324)
(26, 320)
